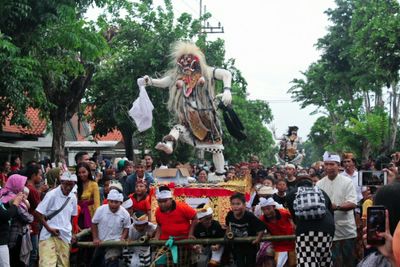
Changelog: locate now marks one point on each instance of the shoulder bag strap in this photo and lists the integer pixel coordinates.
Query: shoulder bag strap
(49, 217)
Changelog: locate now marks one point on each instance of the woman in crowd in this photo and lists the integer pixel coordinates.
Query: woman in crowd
(8, 211)
(202, 176)
(19, 241)
(88, 195)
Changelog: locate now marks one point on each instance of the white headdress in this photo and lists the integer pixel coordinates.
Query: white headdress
(115, 195)
(67, 176)
(267, 202)
(331, 157)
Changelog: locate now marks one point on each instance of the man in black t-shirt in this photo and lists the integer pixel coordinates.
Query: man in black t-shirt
(280, 196)
(243, 223)
(291, 176)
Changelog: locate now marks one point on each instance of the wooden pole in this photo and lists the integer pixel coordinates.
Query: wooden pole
(204, 241)
(84, 232)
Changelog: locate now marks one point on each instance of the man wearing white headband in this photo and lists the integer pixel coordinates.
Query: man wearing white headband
(141, 227)
(55, 213)
(175, 219)
(342, 193)
(279, 222)
(110, 222)
(208, 228)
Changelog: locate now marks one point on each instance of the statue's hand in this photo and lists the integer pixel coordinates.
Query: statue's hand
(227, 97)
(147, 80)
(141, 82)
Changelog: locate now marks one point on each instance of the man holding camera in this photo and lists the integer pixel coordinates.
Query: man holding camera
(342, 193)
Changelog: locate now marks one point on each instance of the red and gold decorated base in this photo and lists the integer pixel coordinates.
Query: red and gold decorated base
(216, 195)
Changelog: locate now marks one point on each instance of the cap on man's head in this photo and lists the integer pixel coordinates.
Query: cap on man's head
(121, 165)
(115, 195)
(163, 193)
(264, 202)
(331, 157)
(265, 190)
(203, 210)
(140, 218)
(67, 176)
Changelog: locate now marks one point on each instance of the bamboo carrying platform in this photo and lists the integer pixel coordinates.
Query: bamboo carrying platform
(205, 241)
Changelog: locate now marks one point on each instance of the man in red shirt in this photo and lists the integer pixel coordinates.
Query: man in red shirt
(173, 218)
(176, 219)
(34, 174)
(141, 199)
(279, 222)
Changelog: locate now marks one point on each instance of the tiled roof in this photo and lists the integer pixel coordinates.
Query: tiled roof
(37, 124)
(115, 135)
(38, 128)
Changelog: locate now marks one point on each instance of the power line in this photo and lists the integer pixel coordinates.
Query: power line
(279, 100)
(190, 7)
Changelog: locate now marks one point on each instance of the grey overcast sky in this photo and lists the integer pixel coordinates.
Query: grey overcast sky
(272, 42)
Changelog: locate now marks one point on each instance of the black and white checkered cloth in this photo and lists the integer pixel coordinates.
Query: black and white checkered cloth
(313, 249)
(136, 257)
(309, 203)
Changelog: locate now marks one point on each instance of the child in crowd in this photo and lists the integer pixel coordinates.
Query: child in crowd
(262, 192)
(141, 227)
(104, 188)
(279, 222)
(141, 199)
(269, 181)
(242, 223)
(110, 222)
(208, 228)
(112, 184)
(280, 196)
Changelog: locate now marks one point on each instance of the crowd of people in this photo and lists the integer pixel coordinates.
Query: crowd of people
(44, 207)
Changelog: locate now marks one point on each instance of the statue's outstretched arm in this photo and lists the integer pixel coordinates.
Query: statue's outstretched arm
(164, 82)
(226, 77)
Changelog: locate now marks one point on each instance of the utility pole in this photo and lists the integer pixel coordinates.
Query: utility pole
(206, 27)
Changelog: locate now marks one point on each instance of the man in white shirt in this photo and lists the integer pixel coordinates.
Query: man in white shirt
(349, 165)
(55, 213)
(110, 222)
(342, 193)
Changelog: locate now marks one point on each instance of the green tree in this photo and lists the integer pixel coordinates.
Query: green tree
(20, 86)
(375, 30)
(346, 82)
(53, 59)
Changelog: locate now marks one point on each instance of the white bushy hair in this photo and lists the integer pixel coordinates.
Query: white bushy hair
(178, 50)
